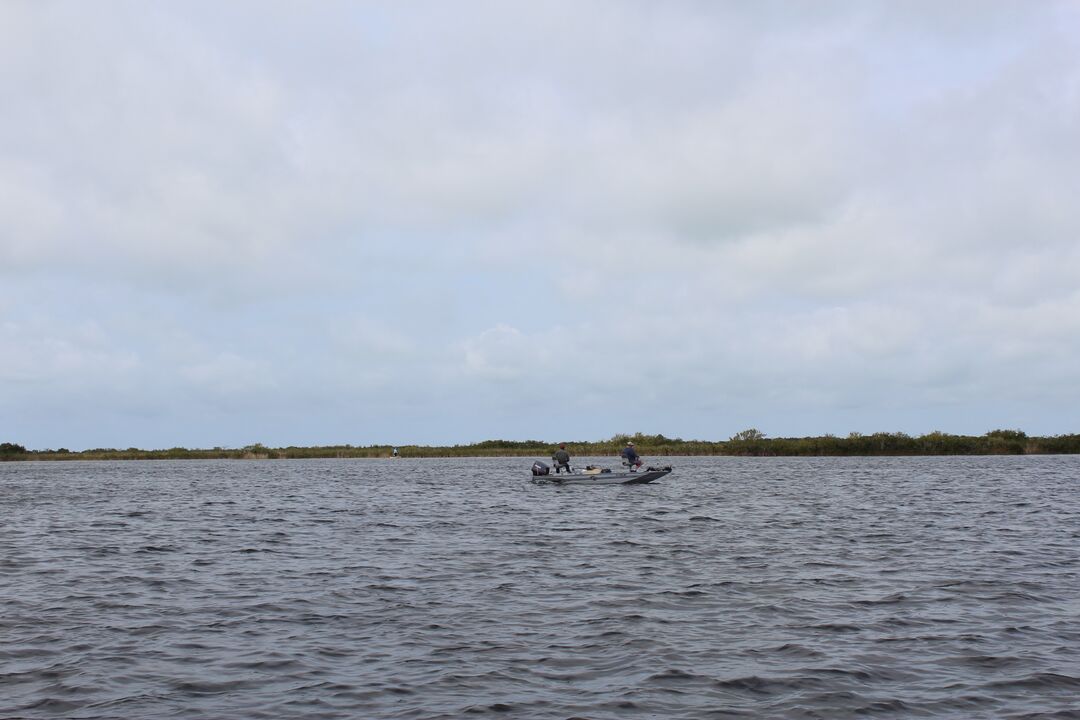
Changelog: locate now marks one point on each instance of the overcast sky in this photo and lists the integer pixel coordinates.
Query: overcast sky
(439, 223)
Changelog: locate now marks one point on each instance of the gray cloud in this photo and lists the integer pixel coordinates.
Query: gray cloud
(686, 219)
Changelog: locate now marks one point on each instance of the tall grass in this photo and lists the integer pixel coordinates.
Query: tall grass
(746, 443)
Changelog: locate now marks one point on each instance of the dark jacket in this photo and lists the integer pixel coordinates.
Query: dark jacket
(561, 457)
(630, 454)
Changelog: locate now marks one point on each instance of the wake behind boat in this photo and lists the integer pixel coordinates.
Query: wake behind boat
(542, 475)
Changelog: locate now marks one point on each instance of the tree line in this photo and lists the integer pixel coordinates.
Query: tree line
(751, 442)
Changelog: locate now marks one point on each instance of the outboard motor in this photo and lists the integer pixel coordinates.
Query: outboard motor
(540, 468)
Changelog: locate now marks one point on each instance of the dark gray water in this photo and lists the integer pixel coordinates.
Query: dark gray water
(794, 588)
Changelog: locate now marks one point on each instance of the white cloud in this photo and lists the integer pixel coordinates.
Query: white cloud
(61, 358)
(501, 353)
(228, 374)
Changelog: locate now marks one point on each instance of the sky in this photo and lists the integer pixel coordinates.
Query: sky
(440, 223)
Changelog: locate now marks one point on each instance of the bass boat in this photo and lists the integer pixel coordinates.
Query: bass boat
(542, 475)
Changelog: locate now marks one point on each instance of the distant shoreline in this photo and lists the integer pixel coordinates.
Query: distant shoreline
(749, 443)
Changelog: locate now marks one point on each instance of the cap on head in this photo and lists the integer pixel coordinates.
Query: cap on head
(562, 445)
(630, 444)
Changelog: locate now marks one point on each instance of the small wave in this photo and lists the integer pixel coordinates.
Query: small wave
(970, 704)
(266, 665)
(249, 551)
(389, 588)
(860, 675)
(830, 698)
(893, 599)
(989, 662)
(792, 650)
(210, 687)
(883, 707)
(835, 627)
(757, 685)
(675, 675)
(1039, 681)
(156, 549)
(685, 593)
(494, 708)
(53, 705)
(1058, 715)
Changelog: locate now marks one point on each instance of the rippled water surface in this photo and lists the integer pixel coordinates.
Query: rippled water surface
(816, 588)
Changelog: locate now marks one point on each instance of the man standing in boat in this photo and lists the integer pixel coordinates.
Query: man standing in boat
(561, 458)
(631, 457)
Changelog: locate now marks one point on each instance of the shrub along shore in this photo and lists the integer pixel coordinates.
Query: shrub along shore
(746, 443)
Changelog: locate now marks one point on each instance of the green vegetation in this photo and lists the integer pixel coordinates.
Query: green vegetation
(751, 442)
(11, 451)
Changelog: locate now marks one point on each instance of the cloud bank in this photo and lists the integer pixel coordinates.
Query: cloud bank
(444, 223)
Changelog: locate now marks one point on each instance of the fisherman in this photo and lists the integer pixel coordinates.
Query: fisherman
(631, 457)
(561, 458)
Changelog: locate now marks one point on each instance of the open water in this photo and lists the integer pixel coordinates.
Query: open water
(781, 588)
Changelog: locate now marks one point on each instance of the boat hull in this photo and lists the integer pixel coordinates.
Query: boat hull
(614, 478)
